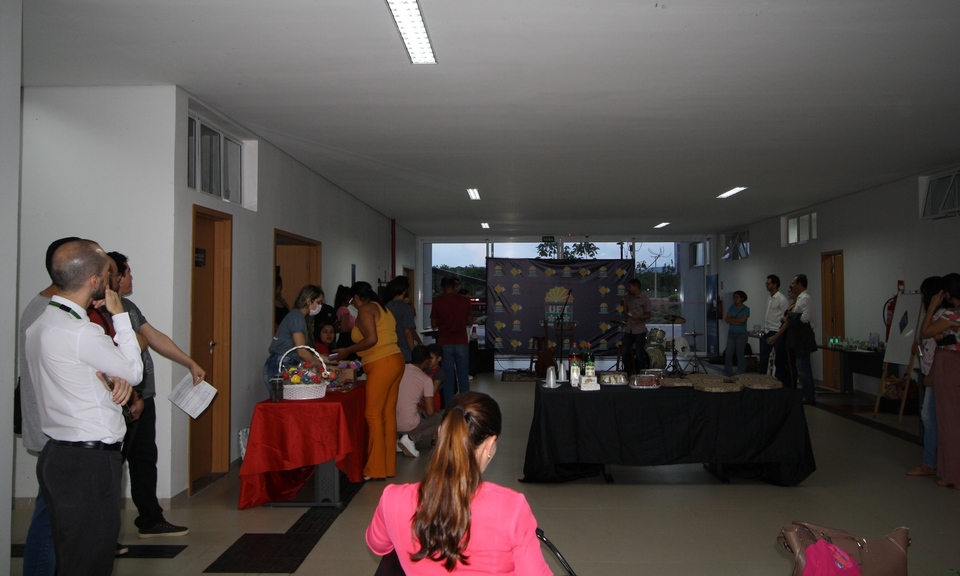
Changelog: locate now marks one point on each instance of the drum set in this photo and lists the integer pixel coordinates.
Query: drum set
(659, 347)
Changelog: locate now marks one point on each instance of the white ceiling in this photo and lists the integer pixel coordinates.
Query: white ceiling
(603, 117)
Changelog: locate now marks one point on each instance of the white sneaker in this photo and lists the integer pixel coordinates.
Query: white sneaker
(408, 447)
(399, 450)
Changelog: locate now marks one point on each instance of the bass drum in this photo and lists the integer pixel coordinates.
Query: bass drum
(656, 336)
(656, 358)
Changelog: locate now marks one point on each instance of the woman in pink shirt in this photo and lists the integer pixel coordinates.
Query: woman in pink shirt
(453, 521)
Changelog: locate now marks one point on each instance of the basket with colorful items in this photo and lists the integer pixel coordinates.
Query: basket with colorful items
(306, 380)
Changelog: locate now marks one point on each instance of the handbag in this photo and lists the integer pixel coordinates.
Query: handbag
(886, 556)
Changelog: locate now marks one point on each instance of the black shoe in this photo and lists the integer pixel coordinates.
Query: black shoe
(121, 550)
(163, 529)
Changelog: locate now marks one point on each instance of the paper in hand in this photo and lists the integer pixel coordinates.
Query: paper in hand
(192, 399)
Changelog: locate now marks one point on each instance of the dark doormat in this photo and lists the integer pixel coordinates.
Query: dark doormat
(165, 551)
(283, 553)
(518, 376)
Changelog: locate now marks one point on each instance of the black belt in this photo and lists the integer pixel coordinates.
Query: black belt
(92, 445)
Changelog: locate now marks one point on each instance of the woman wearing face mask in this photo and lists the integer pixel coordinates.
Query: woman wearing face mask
(293, 332)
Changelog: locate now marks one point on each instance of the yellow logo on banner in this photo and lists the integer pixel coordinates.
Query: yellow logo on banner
(515, 343)
(583, 272)
(498, 270)
(604, 290)
(621, 272)
(498, 289)
(515, 271)
(557, 294)
(516, 308)
(549, 271)
(499, 325)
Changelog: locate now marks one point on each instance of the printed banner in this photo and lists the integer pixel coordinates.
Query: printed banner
(527, 297)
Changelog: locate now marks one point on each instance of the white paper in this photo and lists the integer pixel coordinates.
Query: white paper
(192, 399)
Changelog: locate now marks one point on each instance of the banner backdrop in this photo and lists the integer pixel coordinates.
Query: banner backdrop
(523, 294)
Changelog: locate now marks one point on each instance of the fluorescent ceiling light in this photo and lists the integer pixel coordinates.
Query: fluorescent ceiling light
(730, 193)
(484, 225)
(409, 21)
(473, 193)
(662, 224)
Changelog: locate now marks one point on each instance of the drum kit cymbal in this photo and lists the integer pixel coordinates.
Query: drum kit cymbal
(673, 319)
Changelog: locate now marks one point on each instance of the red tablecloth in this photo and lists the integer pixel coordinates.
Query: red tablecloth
(287, 439)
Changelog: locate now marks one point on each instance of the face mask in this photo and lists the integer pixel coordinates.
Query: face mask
(315, 311)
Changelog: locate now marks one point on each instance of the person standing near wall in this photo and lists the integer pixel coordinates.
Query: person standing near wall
(451, 315)
(736, 318)
(79, 404)
(776, 307)
(801, 338)
(140, 442)
(637, 309)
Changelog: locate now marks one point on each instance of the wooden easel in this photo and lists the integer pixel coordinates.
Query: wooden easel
(914, 346)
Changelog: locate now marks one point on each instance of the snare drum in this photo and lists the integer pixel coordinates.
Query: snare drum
(656, 358)
(656, 336)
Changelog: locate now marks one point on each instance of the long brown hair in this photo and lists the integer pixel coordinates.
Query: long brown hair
(442, 520)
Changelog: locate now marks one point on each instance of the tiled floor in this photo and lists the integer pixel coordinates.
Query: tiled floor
(674, 520)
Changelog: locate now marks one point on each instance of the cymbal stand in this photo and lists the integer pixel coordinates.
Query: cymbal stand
(697, 363)
(674, 368)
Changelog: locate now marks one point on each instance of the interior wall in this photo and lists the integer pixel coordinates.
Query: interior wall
(96, 164)
(883, 240)
(110, 164)
(11, 15)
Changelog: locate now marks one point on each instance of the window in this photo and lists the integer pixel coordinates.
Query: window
(940, 196)
(736, 246)
(698, 254)
(217, 157)
(799, 229)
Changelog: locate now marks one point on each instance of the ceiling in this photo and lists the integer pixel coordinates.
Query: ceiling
(603, 117)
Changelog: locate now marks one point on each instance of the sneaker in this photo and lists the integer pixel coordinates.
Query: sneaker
(408, 447)
(163, 529)
(121, 550)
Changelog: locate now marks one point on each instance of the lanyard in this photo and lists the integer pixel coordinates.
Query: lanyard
(65, 308)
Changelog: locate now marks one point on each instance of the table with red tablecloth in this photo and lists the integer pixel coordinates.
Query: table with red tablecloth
(288, 439)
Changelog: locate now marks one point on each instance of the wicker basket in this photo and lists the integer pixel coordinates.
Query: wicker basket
(304, 391)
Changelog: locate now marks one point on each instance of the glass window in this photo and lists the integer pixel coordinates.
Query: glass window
(209, 160)
(231, 170)
(191, 152)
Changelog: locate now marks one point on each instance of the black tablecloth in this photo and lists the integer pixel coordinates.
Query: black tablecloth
(760, 433)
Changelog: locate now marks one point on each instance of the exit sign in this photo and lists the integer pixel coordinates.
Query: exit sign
(548, 239)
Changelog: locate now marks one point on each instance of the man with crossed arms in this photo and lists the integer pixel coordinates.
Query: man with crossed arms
(81, 381)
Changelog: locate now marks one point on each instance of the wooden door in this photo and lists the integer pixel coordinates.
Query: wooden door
(296, 260)
(210, 343)
(831, 289)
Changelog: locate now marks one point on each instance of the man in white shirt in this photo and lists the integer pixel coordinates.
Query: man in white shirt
(804, 308)
(69, 359)
(776, 307)
(415, 387)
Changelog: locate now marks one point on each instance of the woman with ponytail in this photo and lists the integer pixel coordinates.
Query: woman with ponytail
(453, 521)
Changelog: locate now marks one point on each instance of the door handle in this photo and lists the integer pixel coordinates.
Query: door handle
(212, 344)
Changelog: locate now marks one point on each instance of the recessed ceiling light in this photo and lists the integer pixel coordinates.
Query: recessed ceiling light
(409, 21)
(730, 193)
(484, 225)
(662, 224)
(473, 193)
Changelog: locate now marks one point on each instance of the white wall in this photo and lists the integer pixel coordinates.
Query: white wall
(882, 239)
(110, 164)
(11, 12)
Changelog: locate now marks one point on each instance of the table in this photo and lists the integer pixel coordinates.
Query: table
(761, 433)
(867, 362)
(291, 441)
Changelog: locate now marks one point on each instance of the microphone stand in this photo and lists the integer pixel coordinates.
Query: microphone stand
(559, 324)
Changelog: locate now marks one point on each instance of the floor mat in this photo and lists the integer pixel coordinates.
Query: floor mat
(136, 551)
(519, 376)
(283, 553)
